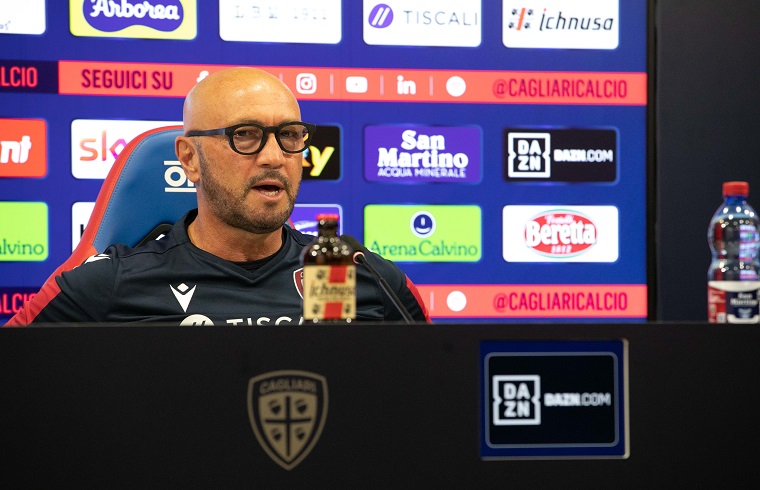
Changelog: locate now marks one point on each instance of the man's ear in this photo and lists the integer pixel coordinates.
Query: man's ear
(186, 154)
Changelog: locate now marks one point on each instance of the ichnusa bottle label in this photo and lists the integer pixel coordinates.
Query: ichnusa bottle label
(733, 301)
(329, 292)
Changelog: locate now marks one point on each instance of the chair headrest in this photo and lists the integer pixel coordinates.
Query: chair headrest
(145, 187)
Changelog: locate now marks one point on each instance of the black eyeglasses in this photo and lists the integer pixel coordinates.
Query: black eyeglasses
(250, 138)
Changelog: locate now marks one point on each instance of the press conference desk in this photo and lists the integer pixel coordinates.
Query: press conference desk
(167, 407)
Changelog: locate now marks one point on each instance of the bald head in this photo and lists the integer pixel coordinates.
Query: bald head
(238, 95)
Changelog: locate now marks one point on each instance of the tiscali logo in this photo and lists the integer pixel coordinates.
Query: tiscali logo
(287, 411)
(581, 24)
(422, 23)
(561, 233)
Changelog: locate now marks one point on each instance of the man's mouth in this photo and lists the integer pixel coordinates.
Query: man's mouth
(268, 189)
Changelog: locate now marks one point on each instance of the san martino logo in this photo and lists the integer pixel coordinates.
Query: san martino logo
(560, 233)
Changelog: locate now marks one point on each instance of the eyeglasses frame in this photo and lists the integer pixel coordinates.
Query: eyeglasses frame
(229, 131)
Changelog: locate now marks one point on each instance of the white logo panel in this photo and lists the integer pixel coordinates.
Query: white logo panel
(25, 17)
(422, 23)
(560, 233)
(95, 143)
(80, 216)
(275, 21)
(580, 24)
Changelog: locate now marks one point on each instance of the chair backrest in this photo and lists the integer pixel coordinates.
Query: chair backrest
(145, 188)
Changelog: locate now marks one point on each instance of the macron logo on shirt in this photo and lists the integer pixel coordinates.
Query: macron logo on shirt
(184, 294)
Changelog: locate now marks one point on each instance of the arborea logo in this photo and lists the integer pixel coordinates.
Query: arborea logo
(148, 19)
(23, 148)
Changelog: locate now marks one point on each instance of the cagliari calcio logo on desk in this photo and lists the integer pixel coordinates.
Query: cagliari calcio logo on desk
(287, 410)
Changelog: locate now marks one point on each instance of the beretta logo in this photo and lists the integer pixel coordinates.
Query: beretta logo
(287, 410)
(560, 233)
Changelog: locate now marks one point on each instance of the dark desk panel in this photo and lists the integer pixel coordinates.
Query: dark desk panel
(147, 407)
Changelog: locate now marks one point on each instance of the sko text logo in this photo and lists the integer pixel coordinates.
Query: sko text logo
(150, 19)
(23, 148)
(96, 143)
(422, 23)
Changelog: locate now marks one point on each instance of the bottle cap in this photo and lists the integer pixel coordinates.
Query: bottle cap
(735, 188)
(327, 217)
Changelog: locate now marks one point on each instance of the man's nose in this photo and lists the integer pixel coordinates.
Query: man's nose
(271, 154)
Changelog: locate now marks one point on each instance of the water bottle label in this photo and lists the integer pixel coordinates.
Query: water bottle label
(733, 301)
(329, 292)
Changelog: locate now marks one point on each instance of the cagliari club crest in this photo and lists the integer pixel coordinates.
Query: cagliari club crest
(287, 410)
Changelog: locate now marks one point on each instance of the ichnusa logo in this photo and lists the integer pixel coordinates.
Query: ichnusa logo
(422, 23)
(23, 231)
(23, 148)
(146, 19)
(424, 233)
(580, 24)
(422, 154)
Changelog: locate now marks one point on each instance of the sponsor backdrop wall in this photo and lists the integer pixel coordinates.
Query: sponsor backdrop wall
(498, 151)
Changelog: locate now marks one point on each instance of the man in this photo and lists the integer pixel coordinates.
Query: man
(231, 261)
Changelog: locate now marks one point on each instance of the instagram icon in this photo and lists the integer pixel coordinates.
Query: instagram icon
(306, 83)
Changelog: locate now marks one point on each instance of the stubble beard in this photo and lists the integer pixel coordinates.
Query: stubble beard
(233, 209)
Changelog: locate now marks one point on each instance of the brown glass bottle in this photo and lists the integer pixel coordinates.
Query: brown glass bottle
(329, 276)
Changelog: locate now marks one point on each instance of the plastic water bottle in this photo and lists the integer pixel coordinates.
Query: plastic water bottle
(734, 274)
